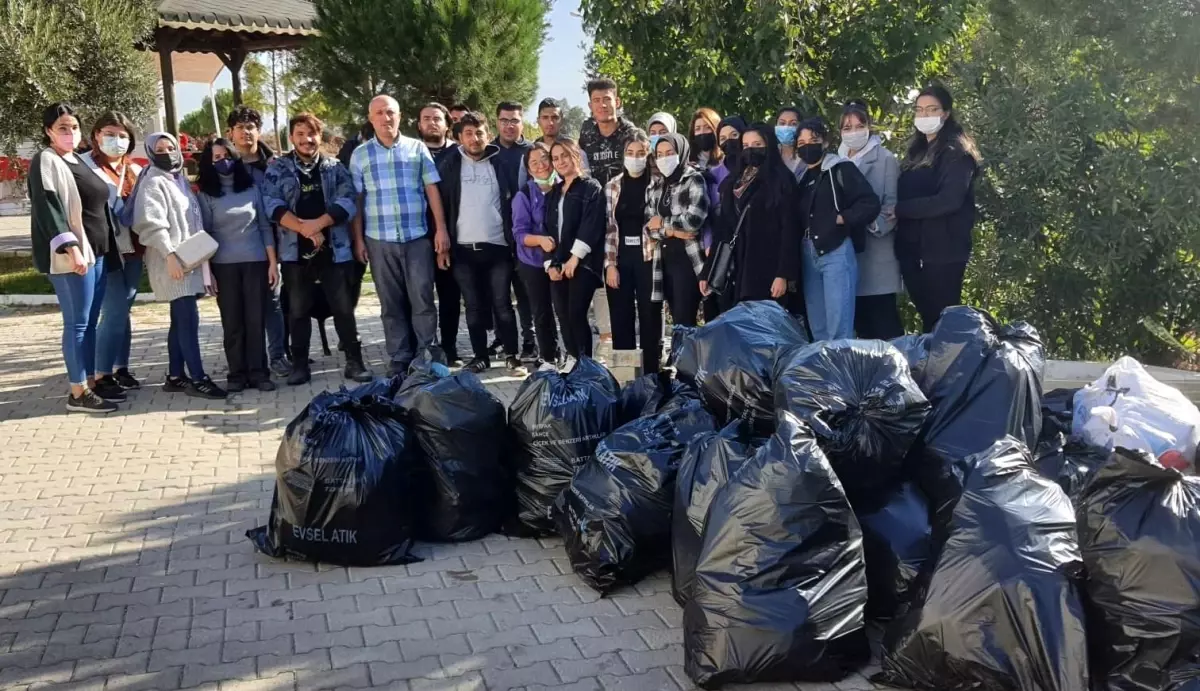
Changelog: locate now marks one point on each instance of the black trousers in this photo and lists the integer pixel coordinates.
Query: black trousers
(484, 274)
(680, 285)
(572, 297)
(932, 288)
(541, 305)
(449, 298)
(631, 311)
(335, 281)
(242, 293)
(877, 316)
(356, 280)
(524, 313)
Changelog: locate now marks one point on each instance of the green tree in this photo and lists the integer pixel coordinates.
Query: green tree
(572, 119)
(1085, 112)
(479, 52)
(255, 79)
(750, 56)
(81, 52)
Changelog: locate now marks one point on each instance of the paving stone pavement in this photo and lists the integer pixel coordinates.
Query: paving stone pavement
(123, 561)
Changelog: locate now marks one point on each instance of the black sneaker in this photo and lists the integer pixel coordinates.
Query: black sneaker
(495, 348)
(89, 402)
(235, 385)
(108, 389)
(206, 388)
(529, 353)
(265, 385)
(300, 375)
(357, 371)
(125, 378)
(515, 366)
(478, 366)
(281, 367)
(452, 359)
(176, 384)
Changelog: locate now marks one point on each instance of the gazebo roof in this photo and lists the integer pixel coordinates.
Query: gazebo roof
(286, 17)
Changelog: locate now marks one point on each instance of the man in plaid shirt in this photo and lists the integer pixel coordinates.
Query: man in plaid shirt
(395, 178)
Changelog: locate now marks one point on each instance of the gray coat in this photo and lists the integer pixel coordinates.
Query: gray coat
(878, 270)
(165, 216)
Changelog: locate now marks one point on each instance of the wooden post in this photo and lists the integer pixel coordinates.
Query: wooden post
(234, 61)
(168, 84)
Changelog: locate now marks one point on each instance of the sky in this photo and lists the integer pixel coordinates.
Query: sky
(560, 70)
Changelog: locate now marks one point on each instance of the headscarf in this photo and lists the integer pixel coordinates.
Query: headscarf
(737, 122)
(180, 179)
(666, 119)
(680, 143)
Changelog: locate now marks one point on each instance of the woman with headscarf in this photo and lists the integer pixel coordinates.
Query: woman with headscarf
(166, 214)
(71, 230)
(659, 124)
(676, 208)
(766, 254)
(110, 159)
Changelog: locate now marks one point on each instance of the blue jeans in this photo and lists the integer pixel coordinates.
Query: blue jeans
(114, 334)
(79, 298)
(183, 339)
(403, 275)
(830, 283)
(276, 343)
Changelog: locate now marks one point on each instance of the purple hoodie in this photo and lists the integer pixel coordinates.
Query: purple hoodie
(712, 177)
(528, 216)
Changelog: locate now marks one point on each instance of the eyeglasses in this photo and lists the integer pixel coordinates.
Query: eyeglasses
(509, 122)
(928, 110)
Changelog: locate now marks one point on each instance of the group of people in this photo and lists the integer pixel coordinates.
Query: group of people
(721, 212)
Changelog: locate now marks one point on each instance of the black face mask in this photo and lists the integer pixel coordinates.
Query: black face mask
(732, 149)
(704, 142)
(754, 157)
(172, 162)
(810, 153)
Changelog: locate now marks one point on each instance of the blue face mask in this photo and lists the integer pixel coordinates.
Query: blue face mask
(224, 166)
(654, 141)
(786, 134)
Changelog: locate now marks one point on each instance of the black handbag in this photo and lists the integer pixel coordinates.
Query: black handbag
(722, 259)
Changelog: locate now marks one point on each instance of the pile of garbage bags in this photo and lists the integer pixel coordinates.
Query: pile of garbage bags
(556, 422)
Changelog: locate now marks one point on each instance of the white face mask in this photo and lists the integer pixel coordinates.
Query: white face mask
(857, 139)
(114, 147)
(929, 124)
(667, 164)
(635, 164)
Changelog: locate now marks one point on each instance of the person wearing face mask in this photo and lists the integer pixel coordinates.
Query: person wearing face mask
(659, 124)
(109, 158)
(836, 205)
(787, 127)
(627, 274)
(166, 214)
(676, 208)
(245, 266)
(534, 246)
(71, 230)
(875, 312)
(760, 188)
(935, 207)
(709, 159)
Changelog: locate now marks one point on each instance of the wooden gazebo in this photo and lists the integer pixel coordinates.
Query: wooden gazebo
(229, 29)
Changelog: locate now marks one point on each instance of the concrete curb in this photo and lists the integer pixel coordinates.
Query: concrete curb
(51, 299)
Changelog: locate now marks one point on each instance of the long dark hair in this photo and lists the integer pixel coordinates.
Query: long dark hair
(774, 180)
(51, 115)
(210, 180)
(920, 152)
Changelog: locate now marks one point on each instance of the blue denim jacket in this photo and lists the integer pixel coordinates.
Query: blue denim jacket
(281, 188)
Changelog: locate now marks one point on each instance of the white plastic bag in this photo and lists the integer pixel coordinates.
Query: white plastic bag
(1129, 408)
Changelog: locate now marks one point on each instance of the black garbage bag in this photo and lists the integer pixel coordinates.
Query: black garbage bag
(1069, 462)
(343, 486)
(615, 517)
(861, 402)
(897, 542)
(1139, 531)
(984, 382)
(708, 463)
(1057, 413)
(651, 393)
(916, 350)
(731, 360)
(780, 584)
(465, 489)
(380, 387)
(555, 423)
(1001, 607)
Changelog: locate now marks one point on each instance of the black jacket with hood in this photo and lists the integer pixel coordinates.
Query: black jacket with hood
(841, 189)
(935, 208)
(450, 170)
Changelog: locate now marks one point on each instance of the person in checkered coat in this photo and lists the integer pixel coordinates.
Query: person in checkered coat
(676, 208)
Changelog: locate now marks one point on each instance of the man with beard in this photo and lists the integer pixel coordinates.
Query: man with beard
(433, 124)
(312, 199)
(477, 192)
(602, 136)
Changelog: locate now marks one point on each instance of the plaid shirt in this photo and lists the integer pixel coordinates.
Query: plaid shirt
(392, 182)
(612, 193)
(689, 209)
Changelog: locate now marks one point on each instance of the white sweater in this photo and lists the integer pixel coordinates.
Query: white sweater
(162, 221)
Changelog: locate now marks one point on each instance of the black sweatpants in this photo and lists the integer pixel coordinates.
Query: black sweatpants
(877, 316)
(680, 285)
(541, 305)
(484, 274)
(449, 298)
(242, 293)
(335, 281)
(572, 298)
(932, 288)
(631, 311)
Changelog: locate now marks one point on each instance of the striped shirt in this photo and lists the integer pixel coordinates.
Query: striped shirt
(392, 182)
